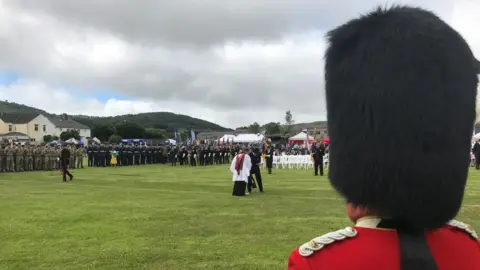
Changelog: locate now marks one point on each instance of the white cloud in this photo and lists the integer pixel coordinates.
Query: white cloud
(251, 66)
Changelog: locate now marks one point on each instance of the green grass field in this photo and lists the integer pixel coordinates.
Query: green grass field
(162, 217)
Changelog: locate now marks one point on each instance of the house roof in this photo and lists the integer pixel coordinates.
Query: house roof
(14, 134)
(18, 118)
(60, 122)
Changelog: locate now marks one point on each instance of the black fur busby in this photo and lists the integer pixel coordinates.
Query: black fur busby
(401, 88)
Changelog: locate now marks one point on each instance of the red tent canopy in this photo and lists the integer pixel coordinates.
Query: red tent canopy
(326, 140)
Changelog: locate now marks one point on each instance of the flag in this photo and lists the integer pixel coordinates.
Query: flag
(192, 134)
(223, 140)
(307, 141)
(175, 134)
(315, 135)
(264, 145)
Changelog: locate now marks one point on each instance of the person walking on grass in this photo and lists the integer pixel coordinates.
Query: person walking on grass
(64, 162)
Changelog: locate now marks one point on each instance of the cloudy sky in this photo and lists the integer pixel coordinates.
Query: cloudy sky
(211, 59)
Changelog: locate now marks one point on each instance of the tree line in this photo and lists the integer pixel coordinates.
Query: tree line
(274, 128)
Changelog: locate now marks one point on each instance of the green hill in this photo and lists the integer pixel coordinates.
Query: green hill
(154, 120)
(12, 107)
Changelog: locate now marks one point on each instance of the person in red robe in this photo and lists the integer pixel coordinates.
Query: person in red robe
(394, 77)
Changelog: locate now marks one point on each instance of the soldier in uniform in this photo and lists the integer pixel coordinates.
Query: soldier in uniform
(201, 156)
(57, 155)
(9, 158)
(20, 158)
(2, 158)
(269, 159)
(79, 153)
(46, 158)
(90, 156)
(38, 158)
(29, 157)
(392, 77)
(73, 157)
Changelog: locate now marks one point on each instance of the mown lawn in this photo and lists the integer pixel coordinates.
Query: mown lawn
(162, 217)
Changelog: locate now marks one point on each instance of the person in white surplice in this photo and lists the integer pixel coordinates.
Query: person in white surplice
(240, 168)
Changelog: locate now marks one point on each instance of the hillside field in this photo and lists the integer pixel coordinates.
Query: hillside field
(163, 217)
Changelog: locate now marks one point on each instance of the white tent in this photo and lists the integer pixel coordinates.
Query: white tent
(227, 138)
(171, 141)
(248, 138)
(302, 136)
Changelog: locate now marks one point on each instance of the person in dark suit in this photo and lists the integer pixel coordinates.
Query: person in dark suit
(319, 152)
(476, 153)
(269, 159)
(256, 158)
(64, 162)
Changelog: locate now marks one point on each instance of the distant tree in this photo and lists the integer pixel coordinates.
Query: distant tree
(47, 138)
(130, 130)
(114, 138)
(153, 133)
(272, 128)
(160, 126)
(55, 138)
(103, 131)
(287, 128)
(66, 135)
(254, 128)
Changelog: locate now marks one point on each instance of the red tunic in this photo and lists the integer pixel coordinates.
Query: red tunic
(454, 247)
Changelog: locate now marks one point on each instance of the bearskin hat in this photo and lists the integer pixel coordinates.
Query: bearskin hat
(401, 86)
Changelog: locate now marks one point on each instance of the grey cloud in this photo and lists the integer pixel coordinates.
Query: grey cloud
(180, 62)
(203, 23)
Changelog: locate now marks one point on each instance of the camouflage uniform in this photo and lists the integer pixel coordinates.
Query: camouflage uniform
(37, 154)
(20, 158)
(9, 158)
(57, 158)
(2, 158)
(79, 153)
(46, 158)
(29, 158)
(71, 148)
(51, 161)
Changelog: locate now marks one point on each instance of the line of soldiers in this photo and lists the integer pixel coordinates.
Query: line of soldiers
(202, 155)
(100, 155)
(127, 155)
(19, 158)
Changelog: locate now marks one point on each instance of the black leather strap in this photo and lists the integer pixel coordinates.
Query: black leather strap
(414, 250)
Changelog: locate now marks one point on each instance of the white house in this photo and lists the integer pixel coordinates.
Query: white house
(64, 123)
(35, 126)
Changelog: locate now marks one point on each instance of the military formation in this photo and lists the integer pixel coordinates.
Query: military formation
(202, 155)
(100, 155)
(134, 155)
(20, 158)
